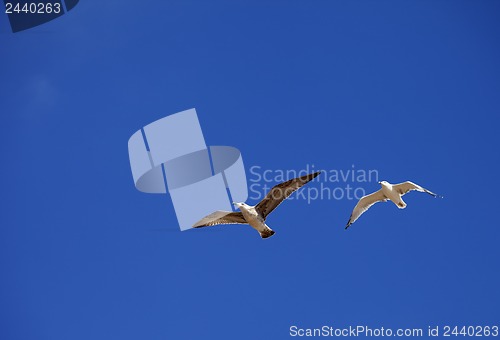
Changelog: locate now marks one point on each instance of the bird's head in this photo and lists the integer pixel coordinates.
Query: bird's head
(383, 183)
(239, 204)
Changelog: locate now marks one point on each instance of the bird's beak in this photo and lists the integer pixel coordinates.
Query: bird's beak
(379, 182)
(234, 203)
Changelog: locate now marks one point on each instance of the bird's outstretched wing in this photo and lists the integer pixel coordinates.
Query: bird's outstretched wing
(281, 192)
(408, 186)
(220, 217)
(364, 204)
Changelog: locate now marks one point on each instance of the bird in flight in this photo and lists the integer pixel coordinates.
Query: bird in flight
(392, 192)
(256, 215)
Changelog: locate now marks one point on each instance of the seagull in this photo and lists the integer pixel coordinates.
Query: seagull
(389, 191)
(256, 215)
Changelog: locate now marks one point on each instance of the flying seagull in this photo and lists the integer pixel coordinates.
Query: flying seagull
(389, 191)
(256, 215)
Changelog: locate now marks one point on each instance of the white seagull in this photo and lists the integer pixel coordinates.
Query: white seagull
(389, 191)
(256, 215)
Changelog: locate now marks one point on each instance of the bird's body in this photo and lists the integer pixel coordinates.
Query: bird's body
(393, 195)
(255, 220)
(388, 191)
(256, 215)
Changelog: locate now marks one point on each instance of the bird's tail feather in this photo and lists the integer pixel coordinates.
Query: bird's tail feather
(266, 233)
(401, 205)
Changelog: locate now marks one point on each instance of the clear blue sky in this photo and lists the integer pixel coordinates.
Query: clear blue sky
(408, 88)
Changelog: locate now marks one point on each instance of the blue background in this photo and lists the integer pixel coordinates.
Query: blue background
(408, 88)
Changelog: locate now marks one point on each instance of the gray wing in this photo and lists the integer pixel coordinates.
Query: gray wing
(281, 192)
(364, 204)
(408, 186)
(221, 217)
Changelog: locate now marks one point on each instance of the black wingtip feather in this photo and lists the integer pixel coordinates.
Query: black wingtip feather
(348, 223)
